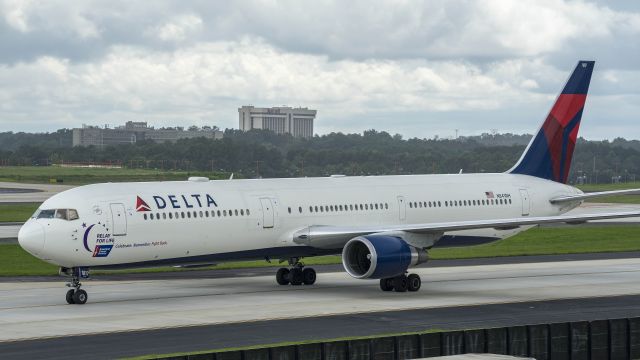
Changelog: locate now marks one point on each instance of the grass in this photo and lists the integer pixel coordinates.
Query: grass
(17, 212)
(537, 241)
(290, 343)
(81, 176)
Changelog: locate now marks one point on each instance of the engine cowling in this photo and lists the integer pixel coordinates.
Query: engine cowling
(379, 256)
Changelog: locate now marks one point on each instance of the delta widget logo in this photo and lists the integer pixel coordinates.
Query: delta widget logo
(97, 239)
(141, 205)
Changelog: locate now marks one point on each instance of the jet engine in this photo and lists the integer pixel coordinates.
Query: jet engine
(380, 256)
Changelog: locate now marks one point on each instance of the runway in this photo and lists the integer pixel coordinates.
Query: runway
(11, 192)
(482, 294)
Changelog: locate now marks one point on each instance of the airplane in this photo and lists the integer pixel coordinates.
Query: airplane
(380, 225)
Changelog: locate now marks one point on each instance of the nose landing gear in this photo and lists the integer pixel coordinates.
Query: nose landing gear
(296, 275)
(75, 295)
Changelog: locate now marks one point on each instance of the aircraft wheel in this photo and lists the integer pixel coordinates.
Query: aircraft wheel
(295, 276)
(400, 283)
(80, 297)
(308, 276)
(70, 296)
(386, 284)
(282, 276)
(414, 282)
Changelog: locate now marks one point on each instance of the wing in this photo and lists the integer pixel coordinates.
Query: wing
(580, 197)
(333, 237)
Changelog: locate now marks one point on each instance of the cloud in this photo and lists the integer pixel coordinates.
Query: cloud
(422, 67)
(179, 28)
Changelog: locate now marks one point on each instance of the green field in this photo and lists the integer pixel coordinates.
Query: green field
(538, 241)
(80, 176)
(17, 212)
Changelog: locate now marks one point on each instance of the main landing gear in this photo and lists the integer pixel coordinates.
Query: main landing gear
(296, 275)
(401, 283)
(75, 295)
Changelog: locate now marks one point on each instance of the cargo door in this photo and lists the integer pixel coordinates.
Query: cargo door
(118, 219)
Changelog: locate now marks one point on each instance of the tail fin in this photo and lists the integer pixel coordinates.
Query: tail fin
(549, 153)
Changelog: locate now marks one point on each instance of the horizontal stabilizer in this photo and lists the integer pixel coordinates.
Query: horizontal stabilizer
(580, 197)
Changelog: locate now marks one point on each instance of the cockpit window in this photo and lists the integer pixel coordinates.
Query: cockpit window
(46, 214)
(63, 214)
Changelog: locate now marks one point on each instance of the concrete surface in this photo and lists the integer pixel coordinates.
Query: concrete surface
(11, 192)
(36, 310)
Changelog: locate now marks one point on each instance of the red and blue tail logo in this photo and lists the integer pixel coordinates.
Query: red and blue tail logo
(549, 153)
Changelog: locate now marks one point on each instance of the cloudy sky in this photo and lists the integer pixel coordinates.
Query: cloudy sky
(418, 68)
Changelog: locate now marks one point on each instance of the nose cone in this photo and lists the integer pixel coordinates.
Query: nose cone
(31, 237)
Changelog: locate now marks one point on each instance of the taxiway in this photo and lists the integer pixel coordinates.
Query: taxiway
(136, 309)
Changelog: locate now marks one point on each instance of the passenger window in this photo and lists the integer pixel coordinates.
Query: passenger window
(164, 216)
(236, 212)
(170, 215)
(224, 212)
(247, 212)
(151, 216)
(219, 213)
(289, 209)
(242, 211)
(299, 209)
(189, 214)
(182, 213)
(386, 206)
(144, 216)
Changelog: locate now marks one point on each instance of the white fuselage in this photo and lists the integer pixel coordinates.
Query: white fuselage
(185, 222)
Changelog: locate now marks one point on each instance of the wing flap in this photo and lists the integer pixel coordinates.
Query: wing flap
(330, 237)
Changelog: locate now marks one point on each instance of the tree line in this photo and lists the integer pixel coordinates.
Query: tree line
(261, 153)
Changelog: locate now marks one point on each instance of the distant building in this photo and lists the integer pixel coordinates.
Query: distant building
(133, 132)
(281, 120)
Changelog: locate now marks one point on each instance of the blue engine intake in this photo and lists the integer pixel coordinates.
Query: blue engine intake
(379, 256)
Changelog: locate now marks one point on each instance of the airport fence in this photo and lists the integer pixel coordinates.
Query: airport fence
(584, 340)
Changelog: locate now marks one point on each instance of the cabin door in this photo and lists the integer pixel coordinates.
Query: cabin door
(267, 213)
(402, 208)
(118, 219)
(526, 204)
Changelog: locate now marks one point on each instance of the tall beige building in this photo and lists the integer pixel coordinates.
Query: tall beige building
(281, 120)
